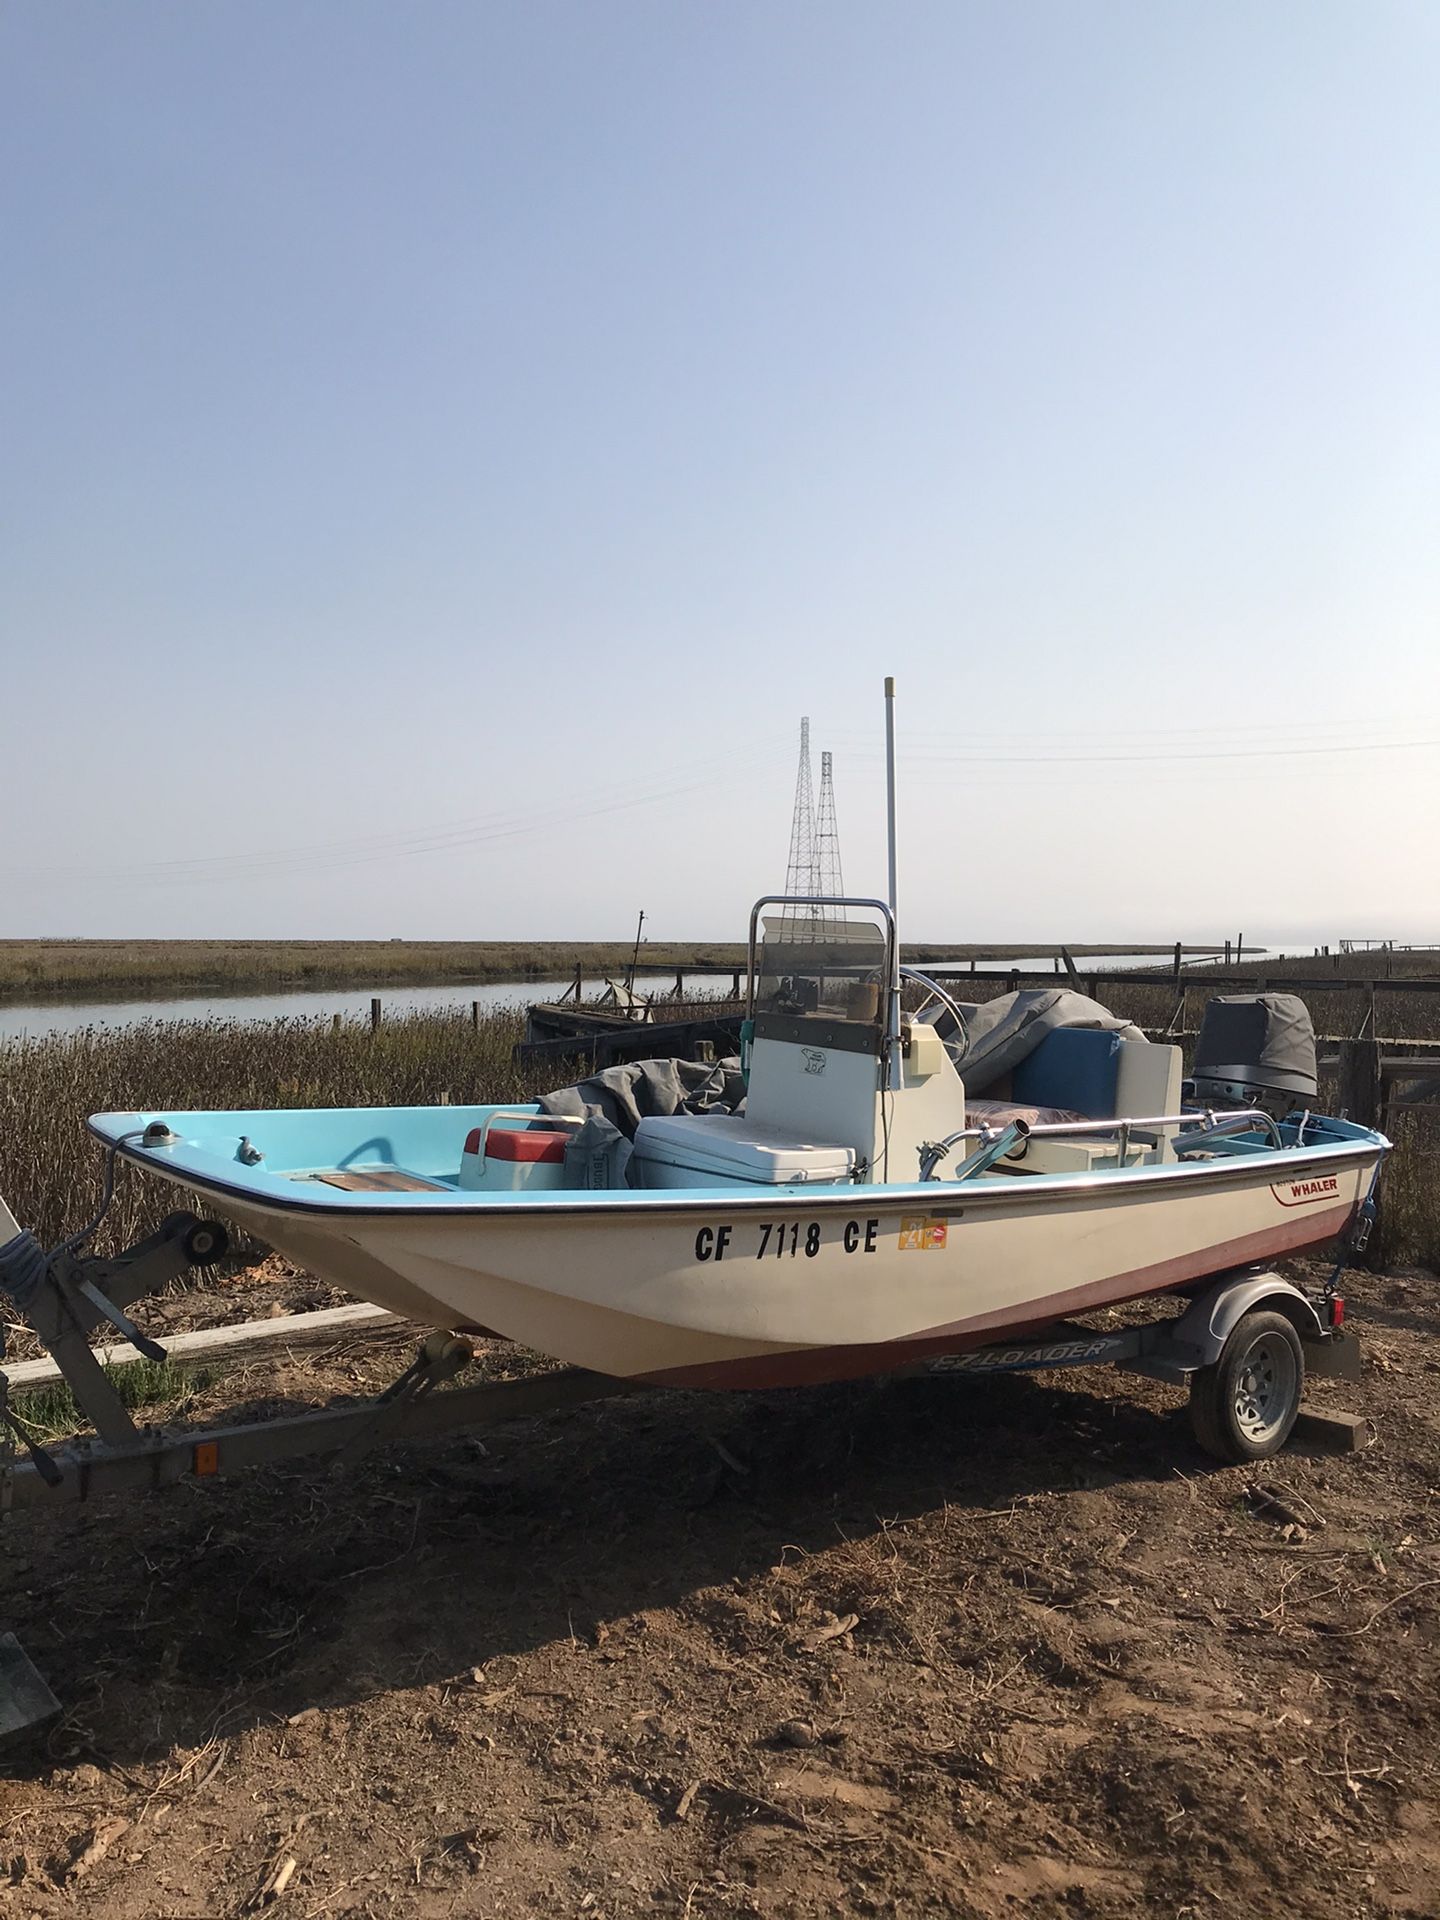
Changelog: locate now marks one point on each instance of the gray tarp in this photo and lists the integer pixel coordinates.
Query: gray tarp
(1004, 1031)
(628, 1094)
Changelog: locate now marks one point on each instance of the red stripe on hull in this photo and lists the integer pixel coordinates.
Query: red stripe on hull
(812, 1366)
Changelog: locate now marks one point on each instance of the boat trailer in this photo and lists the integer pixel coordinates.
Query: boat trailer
(1244, 1345)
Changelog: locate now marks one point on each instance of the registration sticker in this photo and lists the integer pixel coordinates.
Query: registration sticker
(921, 1233)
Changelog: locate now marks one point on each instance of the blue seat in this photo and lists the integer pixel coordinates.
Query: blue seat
(1074, 1067)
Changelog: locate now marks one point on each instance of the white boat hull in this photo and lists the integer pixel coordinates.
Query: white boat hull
(748, 1289)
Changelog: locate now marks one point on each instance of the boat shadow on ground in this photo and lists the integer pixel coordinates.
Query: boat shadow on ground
(177, 1618)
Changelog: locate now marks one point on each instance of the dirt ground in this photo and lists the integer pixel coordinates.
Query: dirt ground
(924, 1646)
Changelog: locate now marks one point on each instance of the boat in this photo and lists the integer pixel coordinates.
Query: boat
(867, 1207)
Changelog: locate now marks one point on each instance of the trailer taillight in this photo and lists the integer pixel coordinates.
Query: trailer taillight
(1337, 1312)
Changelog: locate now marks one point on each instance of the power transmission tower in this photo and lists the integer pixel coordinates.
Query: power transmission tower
(827, 843)
(802, 875)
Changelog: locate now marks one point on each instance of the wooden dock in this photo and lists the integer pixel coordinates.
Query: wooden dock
(709, 1037)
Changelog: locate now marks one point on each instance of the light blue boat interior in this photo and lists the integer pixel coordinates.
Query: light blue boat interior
(428, 1142)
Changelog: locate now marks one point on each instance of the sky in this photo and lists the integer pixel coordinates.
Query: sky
(445, 449)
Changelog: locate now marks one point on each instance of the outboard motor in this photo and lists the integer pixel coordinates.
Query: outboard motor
(1256, 1050)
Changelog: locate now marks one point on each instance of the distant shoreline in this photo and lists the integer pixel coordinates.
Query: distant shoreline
(51, 970)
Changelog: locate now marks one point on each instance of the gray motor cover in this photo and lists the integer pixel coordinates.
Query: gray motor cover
(1256, 1042)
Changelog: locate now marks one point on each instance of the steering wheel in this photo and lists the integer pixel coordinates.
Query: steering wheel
(956, 1044)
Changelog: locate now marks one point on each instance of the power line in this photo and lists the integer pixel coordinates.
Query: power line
(340, 855)
(969, 759)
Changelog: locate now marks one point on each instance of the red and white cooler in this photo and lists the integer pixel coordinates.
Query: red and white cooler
(505, 1159)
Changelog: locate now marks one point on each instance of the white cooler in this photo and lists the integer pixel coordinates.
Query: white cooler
(726, 1150)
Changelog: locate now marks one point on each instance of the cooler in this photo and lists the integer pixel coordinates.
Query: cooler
(504, 1159)
(727, 1150)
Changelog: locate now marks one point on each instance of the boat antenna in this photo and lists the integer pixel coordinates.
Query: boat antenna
(892, 1023)
(890, 781)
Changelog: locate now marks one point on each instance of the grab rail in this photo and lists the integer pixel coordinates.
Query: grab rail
(1215, 1127)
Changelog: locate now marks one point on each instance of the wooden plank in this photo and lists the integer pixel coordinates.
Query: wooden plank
(1338, 1432)
(634, 1040)
(376, 1179)
(289, 1329)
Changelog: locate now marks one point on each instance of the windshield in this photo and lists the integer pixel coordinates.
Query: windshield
(814, 965)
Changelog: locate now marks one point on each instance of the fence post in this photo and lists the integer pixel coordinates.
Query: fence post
(335, 1023)
(375, 1014)
(1360, 1097)
(1178, 952)
(475, 1014)
(1358, 1082)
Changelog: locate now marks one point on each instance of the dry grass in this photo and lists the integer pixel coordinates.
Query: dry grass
(115, 967)
(103, 967)
(50, 1167)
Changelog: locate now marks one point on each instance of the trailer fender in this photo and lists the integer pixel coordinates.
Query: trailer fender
(1178, 1348)
(1212, 1317)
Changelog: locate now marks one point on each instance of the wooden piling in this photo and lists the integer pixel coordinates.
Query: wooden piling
(475, 1014)
(375, 1014)
(1358, 1081)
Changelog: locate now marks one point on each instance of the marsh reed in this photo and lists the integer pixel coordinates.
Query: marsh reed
(50, 1166)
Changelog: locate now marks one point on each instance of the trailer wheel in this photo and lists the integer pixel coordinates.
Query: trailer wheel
(1244, 1406)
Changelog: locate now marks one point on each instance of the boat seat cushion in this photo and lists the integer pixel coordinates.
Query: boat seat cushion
(999, 1113)
(1075, 1068)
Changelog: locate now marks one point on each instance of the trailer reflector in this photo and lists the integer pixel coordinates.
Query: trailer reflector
(207, 1458)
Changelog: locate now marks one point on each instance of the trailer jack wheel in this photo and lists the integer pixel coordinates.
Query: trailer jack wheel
(205, 1244)
(1245, 1405)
